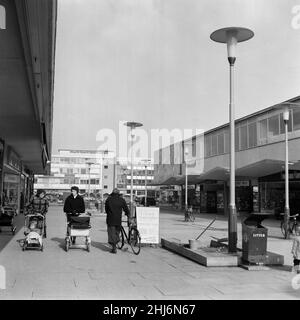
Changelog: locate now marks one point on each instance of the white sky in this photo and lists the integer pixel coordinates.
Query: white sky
(152, 61)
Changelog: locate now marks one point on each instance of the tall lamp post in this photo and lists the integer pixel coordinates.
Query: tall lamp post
(89, 163)
(103, 152)
(146, 173)
(132, 125)
(186, 152)
(231, 36)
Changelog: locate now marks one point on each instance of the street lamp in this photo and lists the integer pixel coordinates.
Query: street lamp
(132, 125)
(103, 152)
(147, 161)
(286, 118)
(186, 152)
(89, 163)
(231, 36)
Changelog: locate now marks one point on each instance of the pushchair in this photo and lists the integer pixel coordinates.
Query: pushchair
(7, 218)
(34, 227)
(78, 226)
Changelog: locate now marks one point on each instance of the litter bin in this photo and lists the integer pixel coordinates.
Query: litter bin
(254, 244)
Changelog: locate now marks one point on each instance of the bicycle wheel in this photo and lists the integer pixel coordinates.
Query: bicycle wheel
(290, 229)
(293, 226)
(282, 227)
(120, 244)
(192, 217)
(135, 240)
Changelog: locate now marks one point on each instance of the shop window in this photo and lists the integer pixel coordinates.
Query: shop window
(237, 139)
(172, 154)
(214, 145)
(296, 119)
(221, 143)
(282, 128)
(207, 145)
(263, 129)
(227, 142)
(194, 147)
(243, 137)
(273, 126)
(252, 134)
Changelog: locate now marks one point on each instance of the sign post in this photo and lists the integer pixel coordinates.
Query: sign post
(148, 224)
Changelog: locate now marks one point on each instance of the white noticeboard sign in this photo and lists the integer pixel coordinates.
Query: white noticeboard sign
(147, 219)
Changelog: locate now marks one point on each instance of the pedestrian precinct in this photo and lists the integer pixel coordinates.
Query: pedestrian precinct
(114, 206)
(296, 249)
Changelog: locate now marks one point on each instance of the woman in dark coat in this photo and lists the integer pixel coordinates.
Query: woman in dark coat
(114, 206)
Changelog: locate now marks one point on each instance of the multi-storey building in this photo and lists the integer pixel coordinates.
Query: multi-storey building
(97, 170)
(260, 155)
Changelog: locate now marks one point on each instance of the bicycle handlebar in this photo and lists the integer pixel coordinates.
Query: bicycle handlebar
(295, 215)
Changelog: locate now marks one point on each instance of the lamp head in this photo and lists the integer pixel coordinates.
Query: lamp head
(286, 114)
(231, 43)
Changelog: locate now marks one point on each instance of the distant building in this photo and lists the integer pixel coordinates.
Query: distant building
(70, 167)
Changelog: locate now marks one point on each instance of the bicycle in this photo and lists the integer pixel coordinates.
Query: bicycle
(292, 224)
(189, 215)
(133, 238)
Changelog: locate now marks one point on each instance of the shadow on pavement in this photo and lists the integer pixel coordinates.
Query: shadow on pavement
(286, 268)
(6, 235)
(100, 245)
(61, 242)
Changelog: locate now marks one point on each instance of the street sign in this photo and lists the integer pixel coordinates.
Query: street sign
(148, 224)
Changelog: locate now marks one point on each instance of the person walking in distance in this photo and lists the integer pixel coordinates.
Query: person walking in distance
(114, 206)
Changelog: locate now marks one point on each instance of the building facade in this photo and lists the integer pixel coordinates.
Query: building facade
(27, 56)
(97, 171)
(260, 155)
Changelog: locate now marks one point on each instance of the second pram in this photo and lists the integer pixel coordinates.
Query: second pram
(78, 226)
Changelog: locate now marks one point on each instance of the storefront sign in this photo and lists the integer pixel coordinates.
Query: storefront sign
(12, 178)
(148, 224)
(242, 183)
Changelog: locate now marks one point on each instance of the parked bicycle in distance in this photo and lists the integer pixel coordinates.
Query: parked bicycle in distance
(132, 238)
(189, 215)
(292, 224)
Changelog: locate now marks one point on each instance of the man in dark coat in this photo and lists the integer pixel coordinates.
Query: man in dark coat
(114, 206)
(74, 205)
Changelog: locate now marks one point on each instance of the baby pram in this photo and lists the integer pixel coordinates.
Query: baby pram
(34, 227)
(7, 218)
(78, 226)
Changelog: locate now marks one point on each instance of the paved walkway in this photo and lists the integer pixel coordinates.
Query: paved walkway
(154, 274)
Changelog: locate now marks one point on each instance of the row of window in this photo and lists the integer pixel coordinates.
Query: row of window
(248, 134)
(74, 170)
(251, 134)
(139, 182)
(67, 181)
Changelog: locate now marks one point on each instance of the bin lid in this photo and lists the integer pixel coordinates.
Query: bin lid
(254, 220)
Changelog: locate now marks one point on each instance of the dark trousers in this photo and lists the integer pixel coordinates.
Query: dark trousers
(113, 234)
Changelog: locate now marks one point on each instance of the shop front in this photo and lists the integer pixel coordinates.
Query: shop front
(272, 193)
